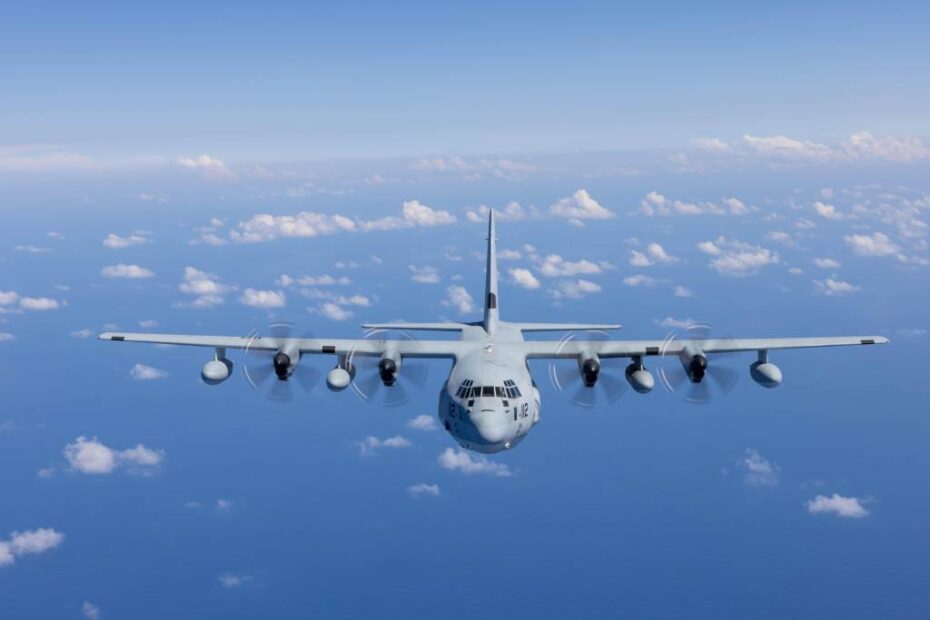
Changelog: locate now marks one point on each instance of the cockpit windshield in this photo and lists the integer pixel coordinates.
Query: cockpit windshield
(468, 389)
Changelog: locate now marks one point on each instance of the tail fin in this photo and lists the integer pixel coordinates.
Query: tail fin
(491, 315)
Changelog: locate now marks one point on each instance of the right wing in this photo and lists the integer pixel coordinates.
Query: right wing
(449, 349)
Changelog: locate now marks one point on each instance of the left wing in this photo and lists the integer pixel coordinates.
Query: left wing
(641, 348)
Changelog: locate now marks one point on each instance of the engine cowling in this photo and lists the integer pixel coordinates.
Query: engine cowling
(590, 368)
(694, 361)
(285, 361)
(387, 370)
(766, 374)
(216, 371)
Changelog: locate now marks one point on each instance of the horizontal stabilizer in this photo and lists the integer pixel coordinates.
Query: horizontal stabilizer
(433, 327)
(564, 327)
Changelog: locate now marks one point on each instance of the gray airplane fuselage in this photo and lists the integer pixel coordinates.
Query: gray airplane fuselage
(489, 402)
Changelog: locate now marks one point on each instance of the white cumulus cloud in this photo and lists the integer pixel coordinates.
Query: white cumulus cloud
(90, 456)
(115, 241)
(29, 542)
(580, 206)
(834, 288)
(757, 470)
(458, 297)
(208, 167)
(846, 507)
(262, 299)
(423, 489)
(141, 372)
(423, 423)
(737, 258)
(371, 444)
(424, 275)
(131, 272)
(876, 244)
(466, 463)
(524, 278)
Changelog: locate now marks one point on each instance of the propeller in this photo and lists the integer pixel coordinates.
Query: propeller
(382, 379)
(267, 363)
(696, 388)
(608, 373)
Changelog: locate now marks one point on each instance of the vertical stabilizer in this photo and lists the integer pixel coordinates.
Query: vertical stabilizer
(491, 315)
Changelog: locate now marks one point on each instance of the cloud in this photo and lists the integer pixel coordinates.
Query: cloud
(126, 271)
(524, 278)
(683, 292)
(231, 581)
(513, 212)
(640, 280)
(8, 298)
(413, 214)
(458, 297)
(573, 289)
(141, 372)
(827, 263)
(39, 303)
(371, 444)
(323, 280)
(423, 489)
(90, 611)
(30, 542)
(265, 227)
(41, 158)
(654, 253)
(757, 470)
(834, 288)
(148, 323)
(424, 275)
(828, 211)
(423, 423)
(673, 323)
(333, 311)
(262, 299)
(554, 266)
(782, 150)
(82, 333)
(846, 507)
(876, 244)
(657, 205)
(475, 169)
(206, 288)
(209, 168)
(580, 206)
(90, 456)
(736, 258)
(32, 249)
(462, 461)
(7, 337)
(116, 242)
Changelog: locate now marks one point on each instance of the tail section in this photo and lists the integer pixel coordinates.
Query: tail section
(491, 314)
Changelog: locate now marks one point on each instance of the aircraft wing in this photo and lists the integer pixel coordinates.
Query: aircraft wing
(631, 348)
(449, 349)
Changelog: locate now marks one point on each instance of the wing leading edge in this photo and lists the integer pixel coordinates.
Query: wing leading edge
(632, 348)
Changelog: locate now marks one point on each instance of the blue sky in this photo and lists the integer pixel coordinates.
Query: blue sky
(216, 169)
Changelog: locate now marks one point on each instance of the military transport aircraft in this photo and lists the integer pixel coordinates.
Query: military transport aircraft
(490, 401)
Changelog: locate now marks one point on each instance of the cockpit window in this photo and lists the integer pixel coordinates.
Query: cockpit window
(469, 390)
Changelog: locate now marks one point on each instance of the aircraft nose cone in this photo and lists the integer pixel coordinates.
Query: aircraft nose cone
(490, 428)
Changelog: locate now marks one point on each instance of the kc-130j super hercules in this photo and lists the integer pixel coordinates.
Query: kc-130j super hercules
(490, 402)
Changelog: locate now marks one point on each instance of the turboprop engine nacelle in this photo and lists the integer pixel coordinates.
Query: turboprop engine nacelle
(694, 361)
(285, 361)
(216, 371)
